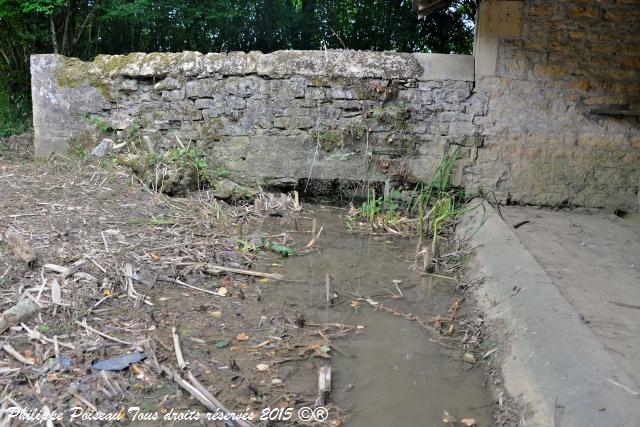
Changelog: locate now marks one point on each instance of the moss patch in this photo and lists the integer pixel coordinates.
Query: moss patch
(330, 140)
(74, 73)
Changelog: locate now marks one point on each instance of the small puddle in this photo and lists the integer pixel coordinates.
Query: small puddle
(391, 374)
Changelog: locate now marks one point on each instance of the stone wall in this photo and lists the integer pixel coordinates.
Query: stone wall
(542, 142)
(277, 117)
(524, 118)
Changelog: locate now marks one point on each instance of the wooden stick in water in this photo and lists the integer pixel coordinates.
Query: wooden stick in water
(328, 287)
(219, 268)
(324, 385)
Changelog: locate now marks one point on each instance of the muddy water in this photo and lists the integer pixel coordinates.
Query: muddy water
(391, 374)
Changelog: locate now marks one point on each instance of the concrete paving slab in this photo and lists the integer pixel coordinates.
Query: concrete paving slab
(594, 260)
(551, 358)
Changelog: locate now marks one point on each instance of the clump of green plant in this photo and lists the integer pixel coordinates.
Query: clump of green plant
(252, 246)
(329, 140)
(99, 123)
(80, 152)
(425, 211)
(190, 156)
(378, 211)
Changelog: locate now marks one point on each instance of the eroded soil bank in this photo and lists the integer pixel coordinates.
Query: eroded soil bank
(151, 267)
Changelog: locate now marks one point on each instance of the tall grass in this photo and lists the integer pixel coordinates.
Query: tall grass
(436, 202)
(430, 206)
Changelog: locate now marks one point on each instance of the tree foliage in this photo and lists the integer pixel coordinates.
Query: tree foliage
(86, 28)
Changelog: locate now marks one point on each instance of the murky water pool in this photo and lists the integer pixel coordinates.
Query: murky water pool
(392, 373)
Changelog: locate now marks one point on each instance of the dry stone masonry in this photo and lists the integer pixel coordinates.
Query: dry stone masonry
(277, 117)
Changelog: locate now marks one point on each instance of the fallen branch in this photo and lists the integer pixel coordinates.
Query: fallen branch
(186, 285)
(33, 334)
(218, 268)
(176, 346)
(14, 353)
(73, 268)
(102, 334)
(66, 271)
(198, 392)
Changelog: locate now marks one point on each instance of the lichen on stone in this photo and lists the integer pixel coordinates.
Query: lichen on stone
(74, 73)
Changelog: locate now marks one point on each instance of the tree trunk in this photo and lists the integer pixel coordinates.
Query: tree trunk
(53, 34)
(65, 31)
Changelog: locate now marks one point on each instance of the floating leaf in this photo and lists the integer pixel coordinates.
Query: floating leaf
(242, 337)
(264, 280)
(222, 291)
(106, 292)
(221, 343)
(325, 348)
(215, 314)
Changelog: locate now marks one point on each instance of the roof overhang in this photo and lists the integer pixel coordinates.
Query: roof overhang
(427, 7)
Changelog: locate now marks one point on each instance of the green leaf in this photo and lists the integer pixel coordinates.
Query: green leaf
(283, 250)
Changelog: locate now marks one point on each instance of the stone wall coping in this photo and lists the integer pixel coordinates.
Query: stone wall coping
(284, 64)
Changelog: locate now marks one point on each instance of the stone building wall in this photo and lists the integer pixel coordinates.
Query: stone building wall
(542, 142)
(277, 117)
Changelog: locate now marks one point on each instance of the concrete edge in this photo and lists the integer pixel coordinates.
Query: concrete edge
(550, 358)
(333, 63)
(442, 66)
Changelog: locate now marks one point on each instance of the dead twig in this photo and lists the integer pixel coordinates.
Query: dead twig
(176, 346)
(218, 268)
(16, 355)
(102, 334)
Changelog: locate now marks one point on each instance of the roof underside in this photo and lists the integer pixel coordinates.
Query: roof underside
(427, 7)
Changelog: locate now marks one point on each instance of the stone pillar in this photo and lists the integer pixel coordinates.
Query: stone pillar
(59, 111)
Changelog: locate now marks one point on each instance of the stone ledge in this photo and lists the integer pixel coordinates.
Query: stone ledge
(282, 64)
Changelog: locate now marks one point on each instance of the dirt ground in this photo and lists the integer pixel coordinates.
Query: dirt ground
(594, 259)
(121, 271)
